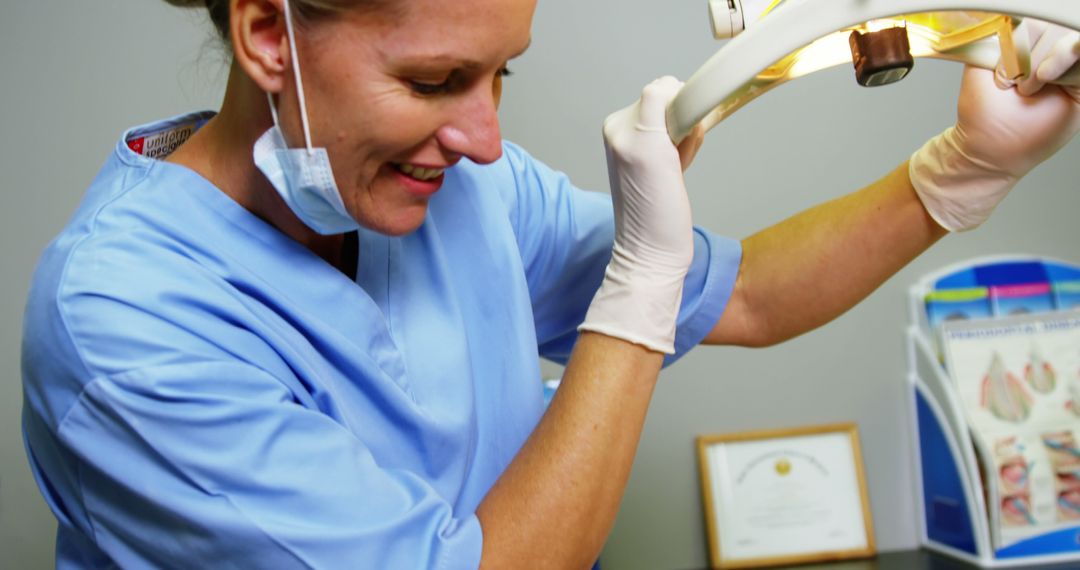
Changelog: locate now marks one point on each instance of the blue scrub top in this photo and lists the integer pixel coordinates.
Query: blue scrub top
(203, 391)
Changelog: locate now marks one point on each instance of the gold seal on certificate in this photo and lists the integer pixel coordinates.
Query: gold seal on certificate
(785, 496)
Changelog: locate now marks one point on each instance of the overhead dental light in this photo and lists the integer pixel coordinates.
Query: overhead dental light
(776, 41)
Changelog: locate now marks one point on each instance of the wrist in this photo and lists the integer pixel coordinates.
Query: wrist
(639, 306)
(958, 190)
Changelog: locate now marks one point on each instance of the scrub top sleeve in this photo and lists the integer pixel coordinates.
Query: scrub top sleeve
(212, 464)
(707, 289)
(565, 236)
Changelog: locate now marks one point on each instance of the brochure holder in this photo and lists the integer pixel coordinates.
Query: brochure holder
(950, 475)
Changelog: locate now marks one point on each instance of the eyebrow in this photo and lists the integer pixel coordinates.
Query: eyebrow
(455, 62)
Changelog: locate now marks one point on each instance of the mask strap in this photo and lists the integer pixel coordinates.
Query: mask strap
(299, 84)
(273, 108)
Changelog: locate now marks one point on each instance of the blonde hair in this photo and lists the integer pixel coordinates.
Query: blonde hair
(306, 9)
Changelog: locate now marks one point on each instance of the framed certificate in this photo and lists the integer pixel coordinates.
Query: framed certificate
(785, 496)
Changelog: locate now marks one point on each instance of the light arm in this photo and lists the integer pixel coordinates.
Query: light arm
(809, 269)
(556, 503)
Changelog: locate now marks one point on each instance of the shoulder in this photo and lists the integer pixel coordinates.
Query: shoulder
(106, 283)
(99, 295)
(127, 238)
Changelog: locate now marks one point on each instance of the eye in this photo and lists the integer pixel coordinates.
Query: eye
(425, 88)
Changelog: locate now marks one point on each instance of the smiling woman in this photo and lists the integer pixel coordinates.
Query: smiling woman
(395, 95)
(304, 330)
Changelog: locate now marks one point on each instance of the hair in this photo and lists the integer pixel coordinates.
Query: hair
(307, 9)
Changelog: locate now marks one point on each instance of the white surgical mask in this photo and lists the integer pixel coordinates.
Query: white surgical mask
(302, 176)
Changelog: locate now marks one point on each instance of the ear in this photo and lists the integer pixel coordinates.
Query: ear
(260, 41)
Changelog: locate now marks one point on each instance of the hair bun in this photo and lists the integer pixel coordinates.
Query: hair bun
(217, 9)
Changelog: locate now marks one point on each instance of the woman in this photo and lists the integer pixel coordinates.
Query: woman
(236, 355)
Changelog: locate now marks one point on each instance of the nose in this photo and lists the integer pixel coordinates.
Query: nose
(473, 128)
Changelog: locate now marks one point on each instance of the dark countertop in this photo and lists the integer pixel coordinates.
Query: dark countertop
(912, 560)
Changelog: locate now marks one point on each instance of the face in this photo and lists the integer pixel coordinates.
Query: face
(395, 101)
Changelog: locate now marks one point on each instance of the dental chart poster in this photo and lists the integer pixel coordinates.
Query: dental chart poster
(1019, 383)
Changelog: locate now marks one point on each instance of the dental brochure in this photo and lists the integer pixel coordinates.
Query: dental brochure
(1018, 378)
(1067, 295)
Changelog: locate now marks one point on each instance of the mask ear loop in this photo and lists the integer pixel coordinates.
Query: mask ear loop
(273, 108)
(299, 84)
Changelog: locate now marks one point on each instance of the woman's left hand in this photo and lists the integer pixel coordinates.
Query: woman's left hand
(1003, 131)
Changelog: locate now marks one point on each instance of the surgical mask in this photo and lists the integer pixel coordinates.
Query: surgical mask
(302, 176)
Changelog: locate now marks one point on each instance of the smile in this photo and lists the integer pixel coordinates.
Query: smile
(419, 172)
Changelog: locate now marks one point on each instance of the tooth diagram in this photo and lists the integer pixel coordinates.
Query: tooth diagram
(1003, 394)
(1069, 505)
(1014, 476)
(1039, 374)
(1015, 511)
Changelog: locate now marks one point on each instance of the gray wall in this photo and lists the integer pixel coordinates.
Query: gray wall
(76, 73)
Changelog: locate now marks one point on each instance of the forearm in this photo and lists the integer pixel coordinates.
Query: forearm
(555, 504)
(809, 269)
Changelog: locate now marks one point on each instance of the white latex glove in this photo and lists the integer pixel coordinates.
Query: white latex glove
(1001, 132)
(639, 298)
(1054, 50)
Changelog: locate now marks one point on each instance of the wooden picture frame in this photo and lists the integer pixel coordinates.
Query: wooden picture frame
(787, 496)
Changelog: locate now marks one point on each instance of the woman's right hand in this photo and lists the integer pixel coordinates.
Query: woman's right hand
(591, 429)
(654, 243)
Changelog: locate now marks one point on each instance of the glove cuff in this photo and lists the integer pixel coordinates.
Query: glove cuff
(638, 307)
(957, 191)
